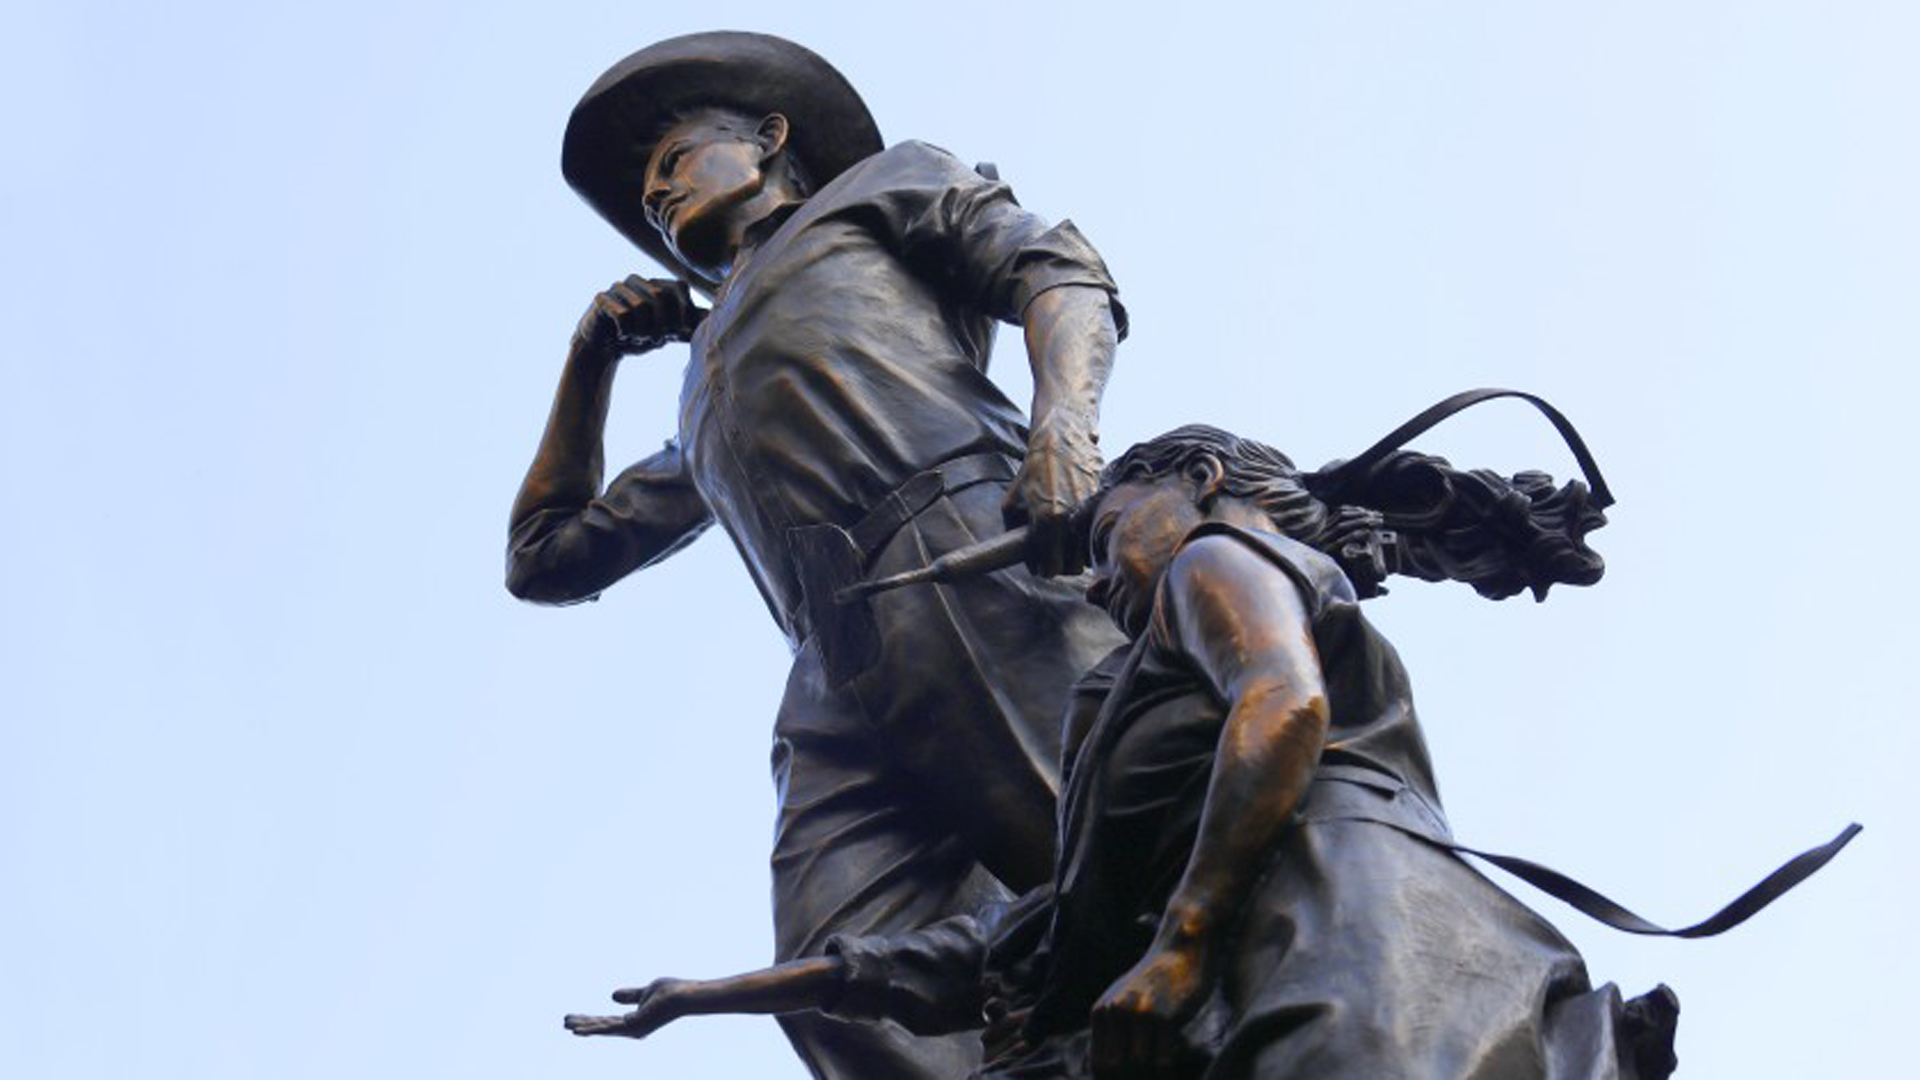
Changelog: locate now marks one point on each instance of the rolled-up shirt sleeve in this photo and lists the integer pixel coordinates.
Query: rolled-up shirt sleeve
(951, 221)
(928, 981)
(563, 555)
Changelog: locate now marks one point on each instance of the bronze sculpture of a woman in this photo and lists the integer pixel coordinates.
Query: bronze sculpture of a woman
(1253, 879)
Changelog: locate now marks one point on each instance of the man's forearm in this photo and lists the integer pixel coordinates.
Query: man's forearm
(571, 462)
(1071, 339)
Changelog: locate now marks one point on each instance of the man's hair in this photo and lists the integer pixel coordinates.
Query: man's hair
(747, 126)
(1253, 471)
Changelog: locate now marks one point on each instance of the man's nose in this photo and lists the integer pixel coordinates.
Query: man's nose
(656, 193)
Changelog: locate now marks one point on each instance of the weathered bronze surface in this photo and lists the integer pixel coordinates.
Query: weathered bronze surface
(837, 421)
(1249, 883)
(1243, 869)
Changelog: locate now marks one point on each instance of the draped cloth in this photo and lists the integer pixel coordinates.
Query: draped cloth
(1364, 952)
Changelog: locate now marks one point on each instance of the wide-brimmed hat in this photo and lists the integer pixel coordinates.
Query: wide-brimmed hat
(614, 128)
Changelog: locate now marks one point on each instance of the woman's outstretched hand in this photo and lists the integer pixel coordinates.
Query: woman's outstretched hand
(656, 1005)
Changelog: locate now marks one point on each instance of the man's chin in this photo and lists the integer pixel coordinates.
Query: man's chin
(698, 247)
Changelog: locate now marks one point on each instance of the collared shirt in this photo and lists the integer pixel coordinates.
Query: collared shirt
(846, 353)
(848, 349)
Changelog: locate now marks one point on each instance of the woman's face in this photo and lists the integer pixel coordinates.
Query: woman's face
(1136, 528)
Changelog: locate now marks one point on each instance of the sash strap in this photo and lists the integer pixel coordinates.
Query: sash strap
(1329, 482)
(1586, 900)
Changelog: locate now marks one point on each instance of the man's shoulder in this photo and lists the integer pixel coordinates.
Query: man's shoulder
(914, 152)
(906, 164)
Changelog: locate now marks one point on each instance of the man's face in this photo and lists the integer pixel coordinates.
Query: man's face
(1137, 527)
(701, 172)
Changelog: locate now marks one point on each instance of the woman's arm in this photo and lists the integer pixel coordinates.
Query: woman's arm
(927, 980)
(1243, 623)
(790, 987)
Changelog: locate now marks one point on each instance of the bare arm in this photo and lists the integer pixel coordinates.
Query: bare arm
(790, 987)
(1015, 267)
(567, 541)
(927, 980)
(1244, 625)
(566, 470)
(1071, 338)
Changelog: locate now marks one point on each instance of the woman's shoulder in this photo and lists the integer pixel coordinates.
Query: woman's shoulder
(1217, 549)
(1223, 579)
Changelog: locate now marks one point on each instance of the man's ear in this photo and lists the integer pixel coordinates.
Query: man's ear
(1208, 477)
(772, 136)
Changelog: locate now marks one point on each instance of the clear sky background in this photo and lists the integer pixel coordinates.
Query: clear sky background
(290, 787)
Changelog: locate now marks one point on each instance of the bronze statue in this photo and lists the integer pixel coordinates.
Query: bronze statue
(837, 421)
(1252, 876)
(1254, 880)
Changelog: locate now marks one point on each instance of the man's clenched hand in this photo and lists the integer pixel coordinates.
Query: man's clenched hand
(638, 315)
(1062, 471)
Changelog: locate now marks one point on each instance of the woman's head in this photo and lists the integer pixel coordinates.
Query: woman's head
(1157, 492)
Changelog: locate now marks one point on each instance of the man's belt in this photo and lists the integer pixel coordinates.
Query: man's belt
(923, 490)
(829, 559)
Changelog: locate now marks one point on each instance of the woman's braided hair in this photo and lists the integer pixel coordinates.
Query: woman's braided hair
(1412, 514)
(1253, 471)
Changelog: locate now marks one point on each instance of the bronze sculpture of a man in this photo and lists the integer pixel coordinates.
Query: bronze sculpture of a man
(837, 419)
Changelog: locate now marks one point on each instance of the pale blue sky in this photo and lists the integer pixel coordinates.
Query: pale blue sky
(290, 787)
